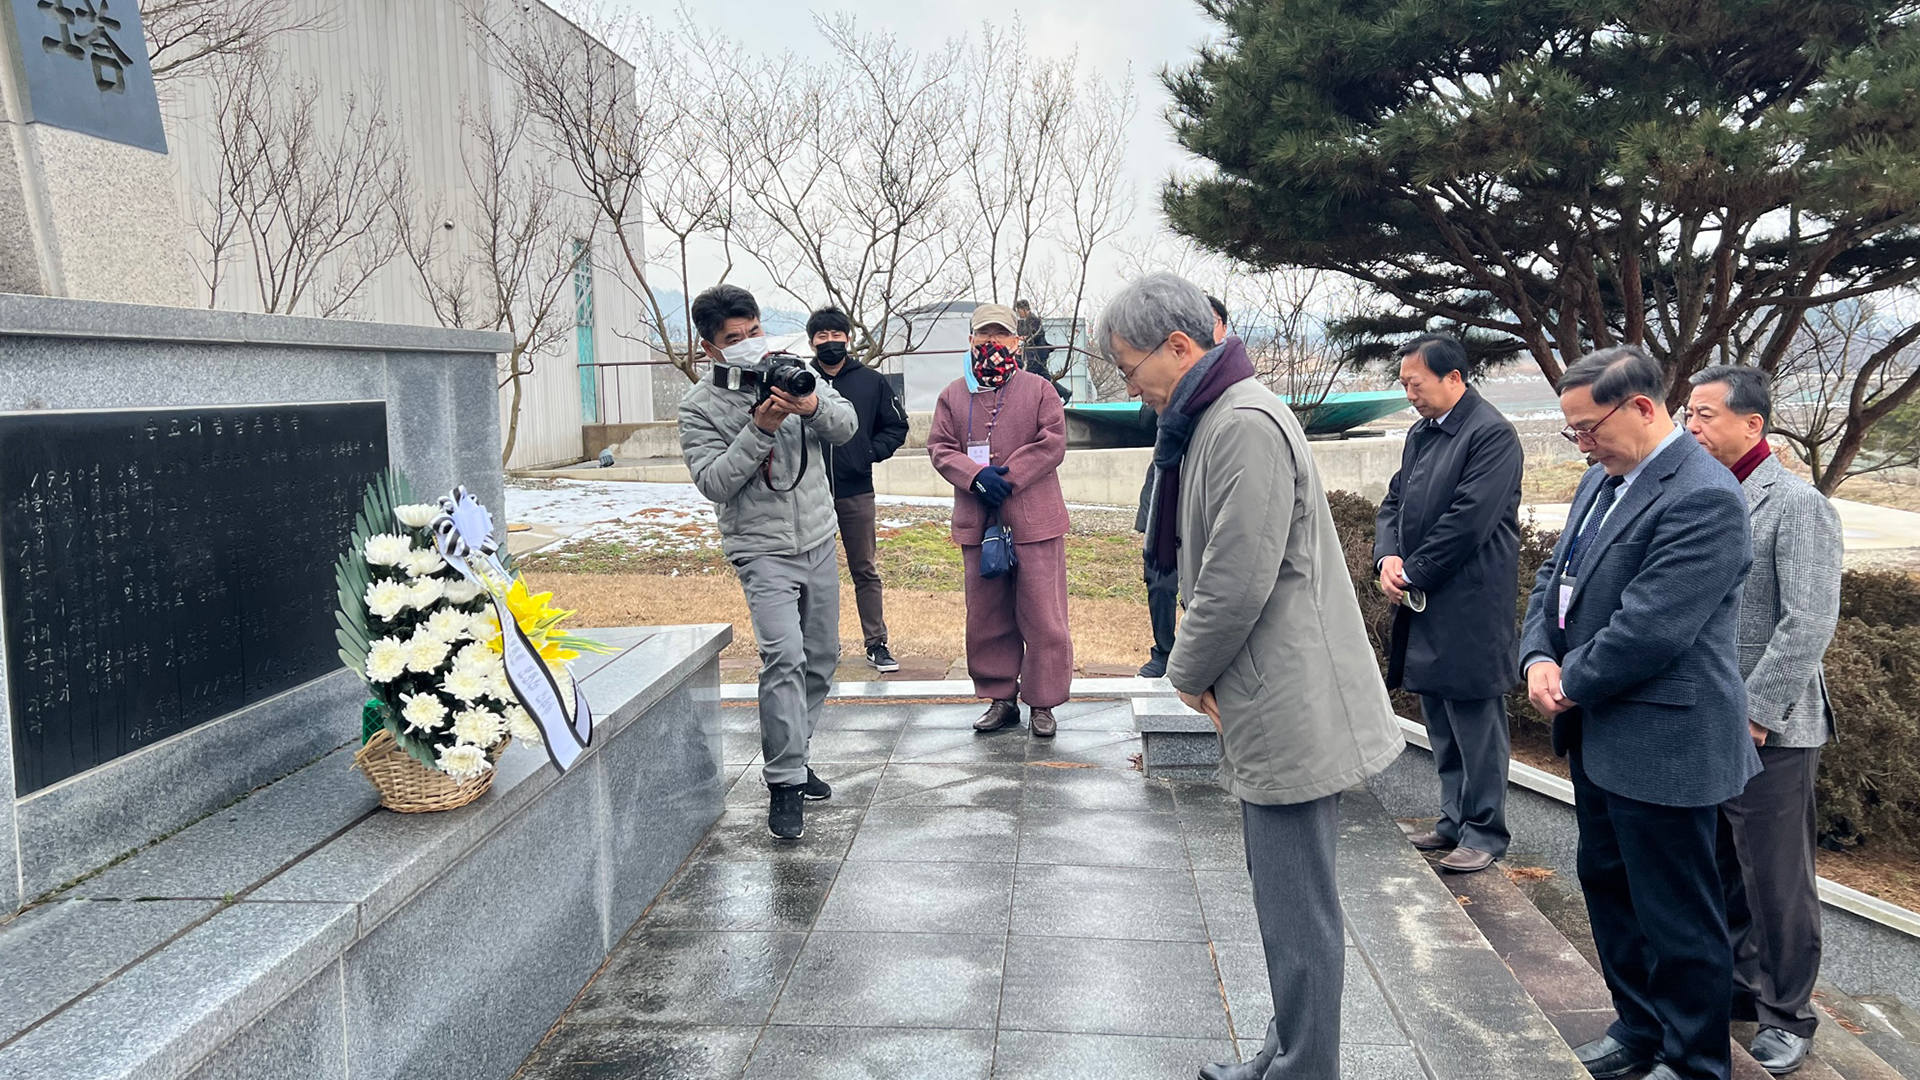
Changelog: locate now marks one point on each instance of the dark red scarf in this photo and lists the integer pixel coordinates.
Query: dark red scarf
(1751, 461)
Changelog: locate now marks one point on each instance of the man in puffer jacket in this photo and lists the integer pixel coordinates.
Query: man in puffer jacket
(765, 468)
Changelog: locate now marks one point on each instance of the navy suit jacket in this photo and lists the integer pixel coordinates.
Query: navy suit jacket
(1649, 650)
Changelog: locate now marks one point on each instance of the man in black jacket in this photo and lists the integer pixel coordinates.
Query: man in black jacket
(1447, 546)
(882, 428)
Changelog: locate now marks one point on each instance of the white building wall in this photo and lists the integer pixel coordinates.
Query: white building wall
(423, 62)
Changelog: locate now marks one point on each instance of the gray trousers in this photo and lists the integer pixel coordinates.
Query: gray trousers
(795, 604)
(856, 515)
(1471, 750)
(1773, 900)
(1290, 853)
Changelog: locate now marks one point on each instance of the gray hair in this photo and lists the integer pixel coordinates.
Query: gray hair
(1746, 388)
(1149, 310)
(1615, 375)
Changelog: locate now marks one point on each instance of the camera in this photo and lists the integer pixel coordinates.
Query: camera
(785, 372)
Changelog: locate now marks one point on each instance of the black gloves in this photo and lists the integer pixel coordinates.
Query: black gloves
(992, 486)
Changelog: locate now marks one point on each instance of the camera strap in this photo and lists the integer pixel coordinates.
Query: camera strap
(766, 467)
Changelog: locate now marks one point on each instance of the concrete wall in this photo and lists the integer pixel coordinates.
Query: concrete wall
(443, 428)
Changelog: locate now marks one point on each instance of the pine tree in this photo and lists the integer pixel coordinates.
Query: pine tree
(1561, 175)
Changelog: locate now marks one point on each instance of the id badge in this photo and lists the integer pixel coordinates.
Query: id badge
(1566, 599)
(980, 454)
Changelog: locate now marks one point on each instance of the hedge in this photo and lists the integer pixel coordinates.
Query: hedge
(1869, 788)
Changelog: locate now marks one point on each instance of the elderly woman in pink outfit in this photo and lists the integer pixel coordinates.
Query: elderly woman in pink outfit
(999, 436)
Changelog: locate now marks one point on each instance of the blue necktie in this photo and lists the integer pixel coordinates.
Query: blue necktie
(1601, 504)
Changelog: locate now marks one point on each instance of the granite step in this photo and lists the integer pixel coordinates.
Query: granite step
(1548, 947)
(1885, 1027)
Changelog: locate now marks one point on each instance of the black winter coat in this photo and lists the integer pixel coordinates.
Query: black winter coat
(1452, 514)
(881, 431)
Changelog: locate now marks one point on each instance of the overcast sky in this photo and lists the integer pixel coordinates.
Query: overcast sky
(1146, 34)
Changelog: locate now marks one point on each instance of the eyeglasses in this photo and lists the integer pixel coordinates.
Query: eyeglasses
(1574, 435)
(1127, 373)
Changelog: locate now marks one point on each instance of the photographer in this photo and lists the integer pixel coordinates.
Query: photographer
(757, 435)
(881, 429)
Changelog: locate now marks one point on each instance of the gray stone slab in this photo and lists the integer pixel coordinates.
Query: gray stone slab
(57, 951)
(962, 746)
(1379, 1063)
(301, 1038)
(234, 848)
(952, 785)
(1226, 899)
(1101, 986)
(744, 896)
(40, 316)
(936, 834)
(863, 718)
(1095, 789)
(1179, 753)
(853, 785)
(840, 1053)
(1123, 902)
(91, 819)
(1102, 838)
(174, 1009)
(851, 745)
(690, 977)
(510, 930)
(10, 898)
(642, 1052)
(741, 833)
(1169, 714)
(1048, 1055)
(920, 897)
(1364, 1015)
(895, 980)
(1108, 749)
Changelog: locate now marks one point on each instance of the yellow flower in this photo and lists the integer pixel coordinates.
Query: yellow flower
(537, 620)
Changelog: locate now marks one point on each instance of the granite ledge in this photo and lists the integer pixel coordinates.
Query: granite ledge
(57, 317)
(1166, 715)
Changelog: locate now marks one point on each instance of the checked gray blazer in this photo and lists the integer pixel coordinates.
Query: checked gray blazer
(1790, 606)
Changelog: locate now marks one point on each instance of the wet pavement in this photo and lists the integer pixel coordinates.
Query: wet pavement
(965, 906)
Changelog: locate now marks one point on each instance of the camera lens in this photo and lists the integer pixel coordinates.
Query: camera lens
(793, 379)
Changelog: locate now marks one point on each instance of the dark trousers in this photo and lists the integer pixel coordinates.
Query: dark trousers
(1471, 749)
(1773, 897)
(1290, 853)
(1659, 921)
(856, 535)
(1163, 608)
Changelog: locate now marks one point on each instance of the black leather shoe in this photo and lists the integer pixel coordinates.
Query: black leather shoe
(816, 789)
(1607, 1057)
(1252, 1069)
(1779, 1052)
(1154, 668)
(1043, 723)
(998, 715)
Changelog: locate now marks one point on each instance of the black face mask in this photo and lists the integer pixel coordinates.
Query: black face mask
(830, 353)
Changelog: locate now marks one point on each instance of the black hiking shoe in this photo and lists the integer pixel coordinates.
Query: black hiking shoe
(785, 818)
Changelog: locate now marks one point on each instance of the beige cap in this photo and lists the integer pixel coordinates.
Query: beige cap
(994, 315)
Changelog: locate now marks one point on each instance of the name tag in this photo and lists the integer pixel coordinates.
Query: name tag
(1566, 599)
(980, 454)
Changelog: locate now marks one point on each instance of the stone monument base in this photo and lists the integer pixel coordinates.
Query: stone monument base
(305, 934)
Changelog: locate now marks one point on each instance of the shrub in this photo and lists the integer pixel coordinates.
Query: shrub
(1869, 787)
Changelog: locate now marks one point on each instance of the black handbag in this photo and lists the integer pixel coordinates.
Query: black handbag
(997, 558)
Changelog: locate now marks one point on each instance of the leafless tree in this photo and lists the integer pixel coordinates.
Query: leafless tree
(1839, 392)
(634, 125)
(1097, 200)
(846, 169)
(504, 259)
(1284, 316)
(311, 211)
(188, 37)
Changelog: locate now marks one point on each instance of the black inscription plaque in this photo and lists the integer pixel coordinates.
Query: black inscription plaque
(163, 567)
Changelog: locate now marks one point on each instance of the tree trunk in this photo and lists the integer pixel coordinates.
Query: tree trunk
(513, 413)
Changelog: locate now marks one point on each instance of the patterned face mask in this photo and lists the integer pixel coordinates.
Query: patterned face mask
(993, 365)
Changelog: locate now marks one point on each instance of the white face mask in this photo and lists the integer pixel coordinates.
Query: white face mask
(745, 353)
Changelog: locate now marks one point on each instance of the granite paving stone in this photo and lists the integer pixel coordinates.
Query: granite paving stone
(700, 977)
(920, 897)
(1101, 838)
(746, 895)
(996, 907)
(789, 1052)
(1121, 902)
(56, 951)
(952, 785)
(895, 980)
(937, 834)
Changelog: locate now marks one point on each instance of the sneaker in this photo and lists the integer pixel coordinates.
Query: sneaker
(785, 818)
(882, 660)
(815, 788)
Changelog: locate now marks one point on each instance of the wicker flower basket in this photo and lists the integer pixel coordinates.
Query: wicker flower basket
(409, 787)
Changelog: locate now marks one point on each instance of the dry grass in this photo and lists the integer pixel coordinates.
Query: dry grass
(1891, 877)
(920, 622)
(1554, 483)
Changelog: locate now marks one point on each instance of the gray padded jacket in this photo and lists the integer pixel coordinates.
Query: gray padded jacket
(725, 451)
